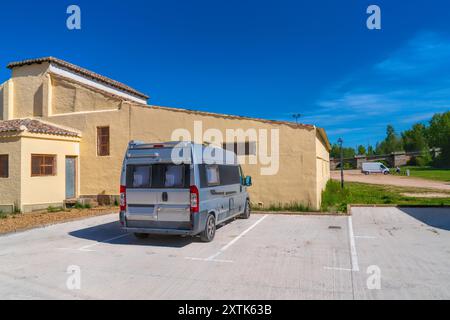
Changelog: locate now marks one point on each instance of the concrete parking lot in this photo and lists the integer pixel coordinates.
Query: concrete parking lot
(265, 257)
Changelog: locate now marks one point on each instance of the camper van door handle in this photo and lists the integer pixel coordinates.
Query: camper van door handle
(216, 193)
(164, 196)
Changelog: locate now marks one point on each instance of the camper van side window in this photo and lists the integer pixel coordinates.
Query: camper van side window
(229, 175)
(212, 175)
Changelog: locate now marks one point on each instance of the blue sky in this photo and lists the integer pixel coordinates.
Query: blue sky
(256, 58)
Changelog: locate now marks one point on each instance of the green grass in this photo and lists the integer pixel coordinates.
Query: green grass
(280, 207)
(428, 173)
(335, 199)
(54, 209)
(79, 205)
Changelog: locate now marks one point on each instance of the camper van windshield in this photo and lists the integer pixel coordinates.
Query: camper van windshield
(158, 176)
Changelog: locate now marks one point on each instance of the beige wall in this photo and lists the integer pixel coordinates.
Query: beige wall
(72, 97)
(28, 90)
(10, 187)
(1, 102)
(303, 170)
(48, 189)
(322, 166)
(295, 181)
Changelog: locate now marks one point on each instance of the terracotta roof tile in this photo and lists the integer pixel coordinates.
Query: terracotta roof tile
(35, 126)
(81, 71)
(228, 116)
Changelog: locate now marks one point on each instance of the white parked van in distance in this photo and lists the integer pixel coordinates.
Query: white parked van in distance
(374, 167)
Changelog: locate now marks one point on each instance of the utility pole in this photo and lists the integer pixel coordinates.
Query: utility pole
(296, 116)
(340, 141)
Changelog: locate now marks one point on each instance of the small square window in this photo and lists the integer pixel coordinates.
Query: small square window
(43, 165)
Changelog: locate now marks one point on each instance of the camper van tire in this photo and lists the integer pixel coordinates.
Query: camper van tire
(208, 234)
(141, 235)
(247, 211)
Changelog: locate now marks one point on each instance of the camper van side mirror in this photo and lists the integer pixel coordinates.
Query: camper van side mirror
(248, 181)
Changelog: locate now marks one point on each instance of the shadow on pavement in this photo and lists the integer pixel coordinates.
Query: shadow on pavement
(434, 217)
(106, 233)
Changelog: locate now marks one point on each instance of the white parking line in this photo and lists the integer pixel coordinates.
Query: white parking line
(365, 237)
(222, 250)
(86, 248)
(207, 259)
(354, 255)
(338, 269)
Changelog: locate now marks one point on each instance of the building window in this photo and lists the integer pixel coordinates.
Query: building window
(4, 170)
(43, 165)
(103, 141)
(247, 148)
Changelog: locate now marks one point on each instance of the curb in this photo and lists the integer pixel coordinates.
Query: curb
(350, 206)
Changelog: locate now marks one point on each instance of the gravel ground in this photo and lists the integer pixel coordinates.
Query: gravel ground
(25, 221)
(400, 181)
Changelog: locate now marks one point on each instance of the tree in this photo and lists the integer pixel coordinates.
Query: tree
(439, 137)
(370, 151)
(391, 143)
(361, 150)
(415, 139)
(336, 151)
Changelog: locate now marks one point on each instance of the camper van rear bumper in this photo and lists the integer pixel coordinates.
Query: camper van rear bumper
(153, 227)
(161, 231)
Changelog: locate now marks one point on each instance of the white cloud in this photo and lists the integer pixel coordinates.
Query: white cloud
(408, 86)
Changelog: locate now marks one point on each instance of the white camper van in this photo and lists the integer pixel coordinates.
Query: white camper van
(374, 167)
(181, 188)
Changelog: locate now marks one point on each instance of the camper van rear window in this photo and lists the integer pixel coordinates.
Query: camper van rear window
(158, 176)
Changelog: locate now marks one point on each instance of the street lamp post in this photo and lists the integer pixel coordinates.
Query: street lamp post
(340, 141)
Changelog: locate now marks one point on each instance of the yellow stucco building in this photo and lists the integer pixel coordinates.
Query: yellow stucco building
(64, 131)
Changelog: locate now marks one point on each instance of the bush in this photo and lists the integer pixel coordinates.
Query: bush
(54, 209)
(3, 215)
(79, 205)
(334, 197)
(424, 159)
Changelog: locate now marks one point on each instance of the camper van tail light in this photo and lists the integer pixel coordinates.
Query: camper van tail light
(194, 198)
(123, 198)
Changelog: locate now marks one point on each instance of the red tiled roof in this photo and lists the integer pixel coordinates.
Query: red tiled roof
(81, 71)
(236, 117)
(34, 126)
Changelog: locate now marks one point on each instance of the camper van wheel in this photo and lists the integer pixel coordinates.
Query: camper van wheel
(247, 210)
(141, 235)
(207, 235)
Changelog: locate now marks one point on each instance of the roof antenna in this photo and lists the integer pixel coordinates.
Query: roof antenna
(296, 116)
